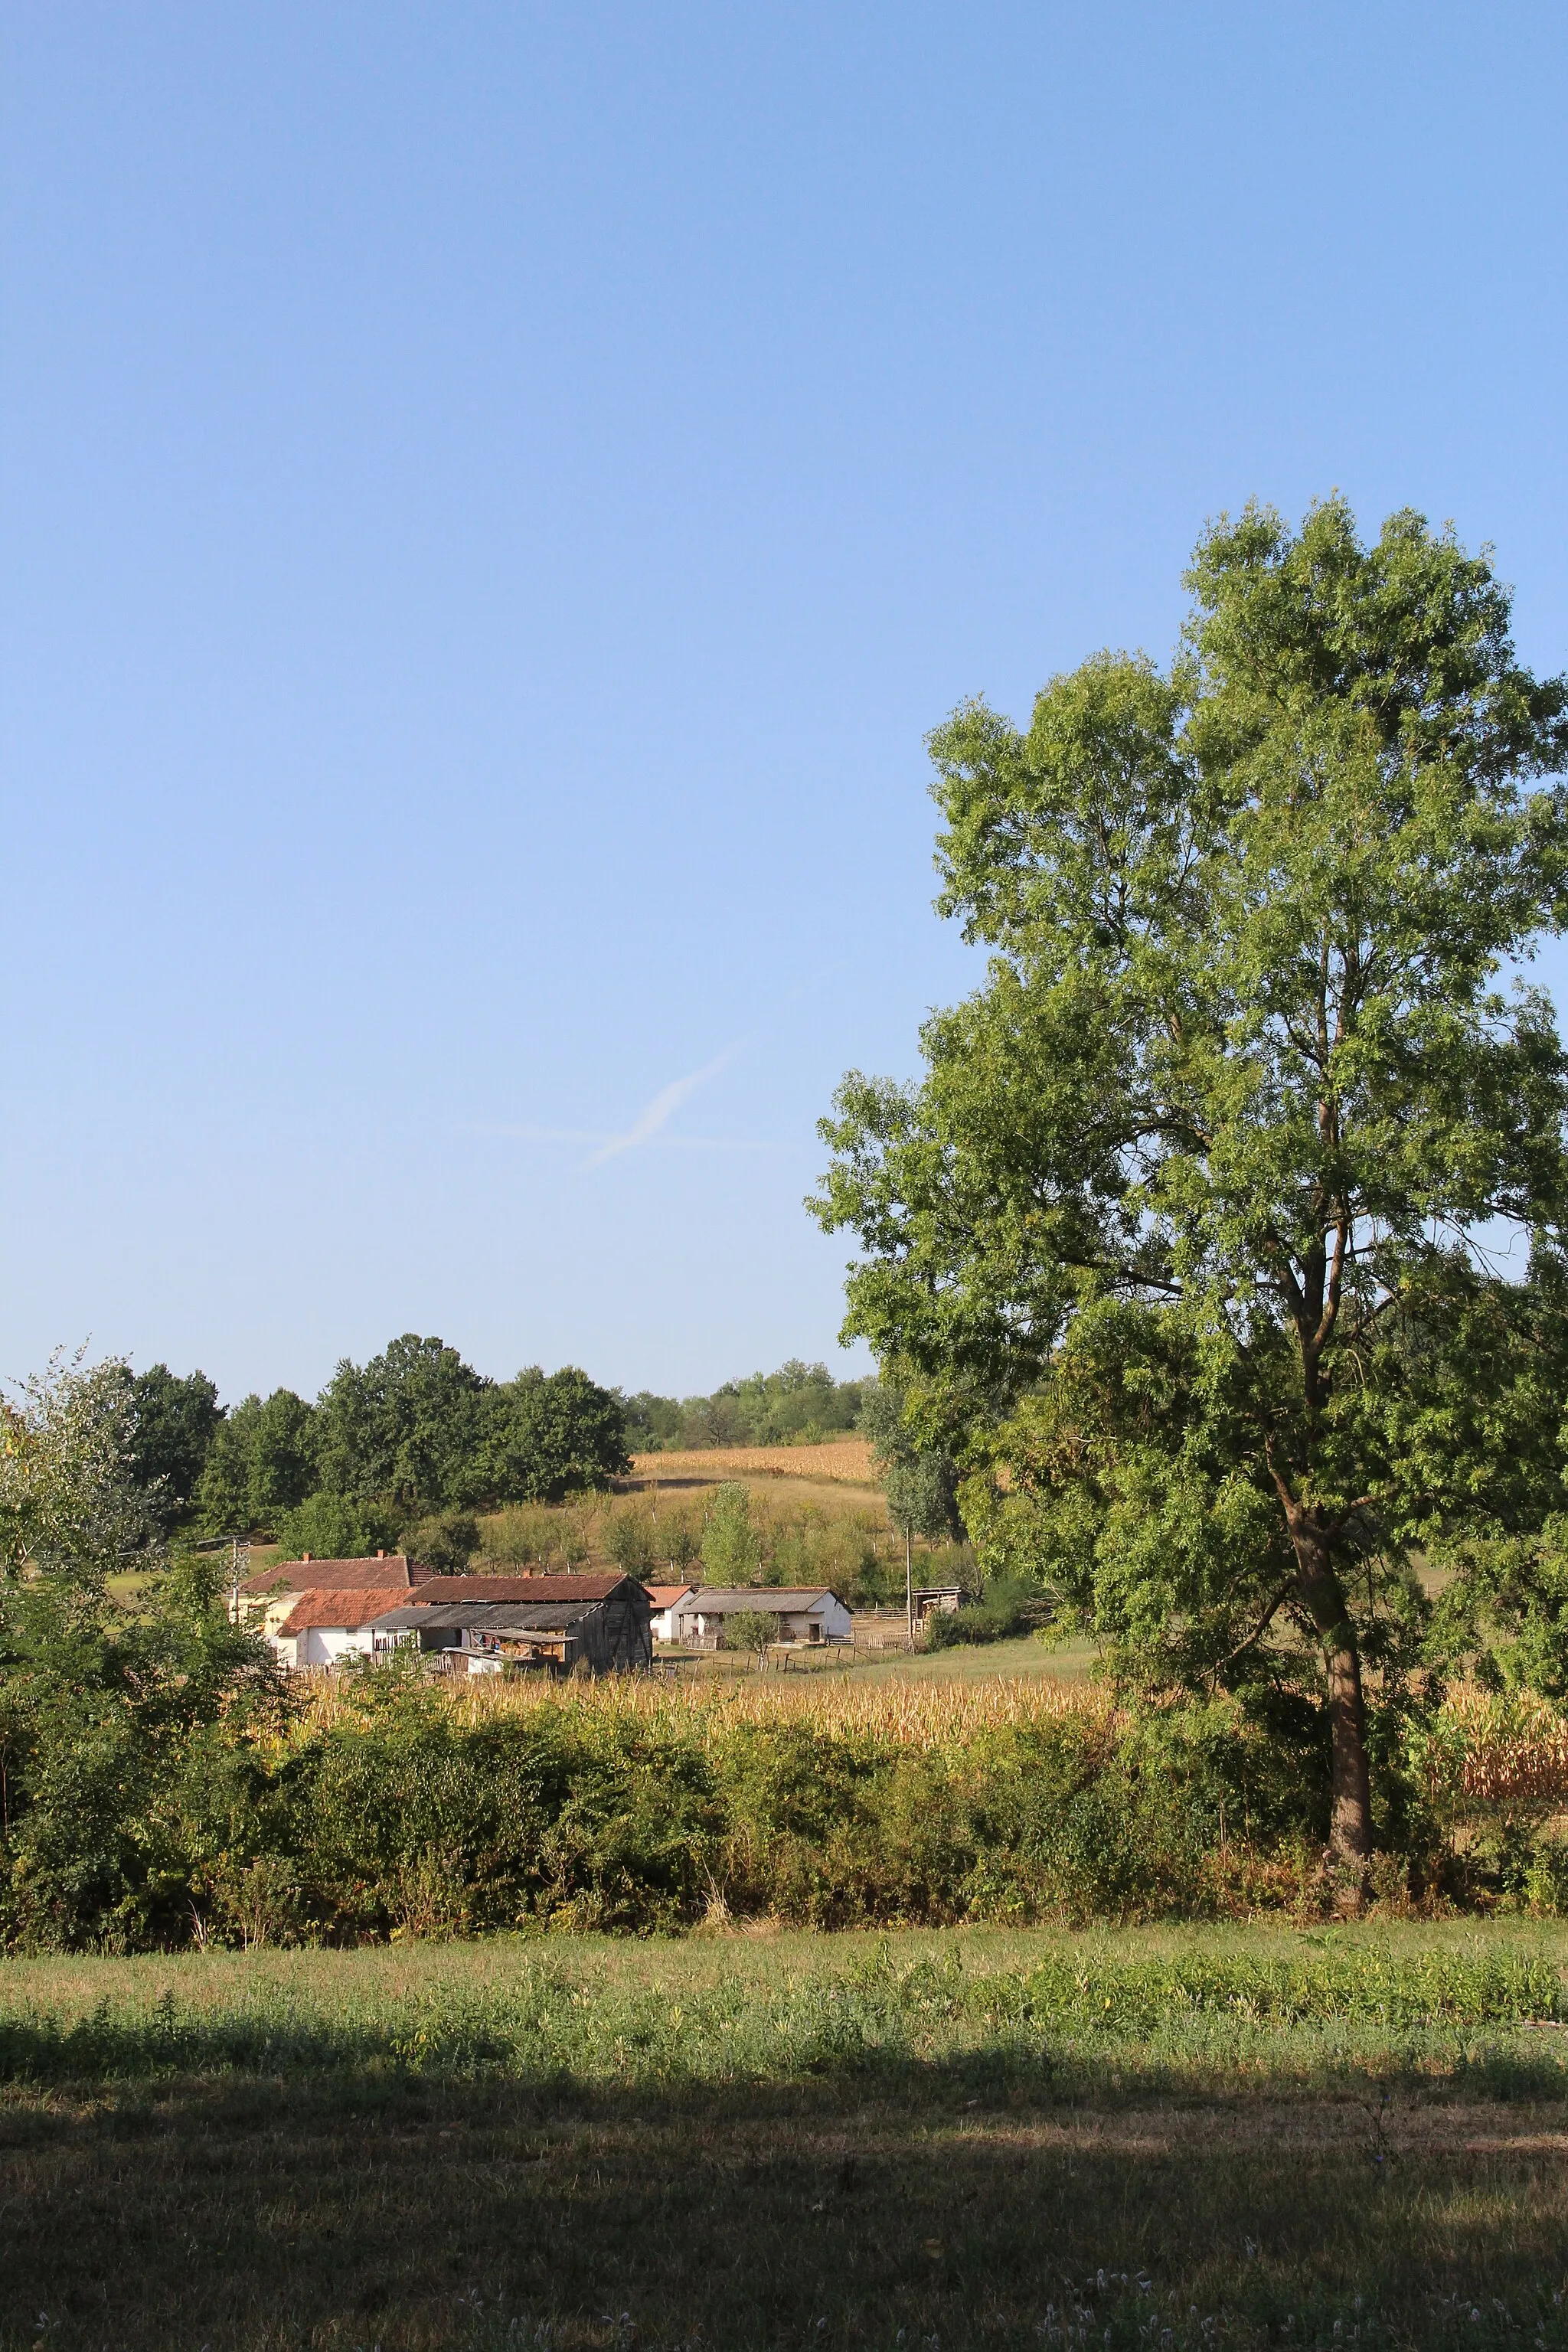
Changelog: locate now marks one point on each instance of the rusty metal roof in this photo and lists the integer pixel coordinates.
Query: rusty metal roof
(342, 1610)
(474, 1590)
(393, 1568)
(492, 1617)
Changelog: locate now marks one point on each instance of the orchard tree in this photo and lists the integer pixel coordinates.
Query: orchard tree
(1222, 1233)
(919, 1481)
(755, 1630)
(732, 1550)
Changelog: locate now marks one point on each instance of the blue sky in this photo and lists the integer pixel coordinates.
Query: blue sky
(493, 498)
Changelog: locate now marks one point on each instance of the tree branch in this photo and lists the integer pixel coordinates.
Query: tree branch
(1261, 1627)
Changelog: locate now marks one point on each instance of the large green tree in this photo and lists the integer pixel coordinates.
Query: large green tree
(103, 1708)
(550, 1434)
(261, 1463)
(403, 1429)
(1195, 1233)
(72, 1513)
(176, 1421)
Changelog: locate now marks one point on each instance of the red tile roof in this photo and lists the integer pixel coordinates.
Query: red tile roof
(342, 1610)
(393, 1568)
(663, 1595)
(521, 1588)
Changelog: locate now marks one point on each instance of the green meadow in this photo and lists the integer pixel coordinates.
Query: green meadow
(976, 2138)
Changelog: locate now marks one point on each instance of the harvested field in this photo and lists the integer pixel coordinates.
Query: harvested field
(844, 1461)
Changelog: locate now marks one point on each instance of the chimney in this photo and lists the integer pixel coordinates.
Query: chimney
(381, 1555)
(304, 1555)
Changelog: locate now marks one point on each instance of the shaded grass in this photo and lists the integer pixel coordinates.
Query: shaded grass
(914, 2140)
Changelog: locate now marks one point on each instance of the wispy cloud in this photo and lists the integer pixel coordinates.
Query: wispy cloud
(654, 1115)
(649, 1124)
(654, 1142)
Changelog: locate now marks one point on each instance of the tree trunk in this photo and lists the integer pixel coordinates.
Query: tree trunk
(1350, 1824)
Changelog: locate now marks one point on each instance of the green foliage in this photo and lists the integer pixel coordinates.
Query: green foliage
(175, 1422)
(732, 1553)
(446, 1541)
(330, 1527)
(679, 1544)
(412, 1435)
(1504, 1617)
(69, 1503)
(806, 1548)
(920, 1480)
(754, 1630)
(262, 1463)
(107, 1726)
(404, 1429)
(147, 1807)
(549, 1435)
(160, 1787)
(517, 1536)
(1004, 1610)
(632, 1540)
(800, 1404)
(1183, 1242)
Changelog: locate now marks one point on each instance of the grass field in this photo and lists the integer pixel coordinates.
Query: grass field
(1070, 1662)
(980, 2138)
(970, 1661)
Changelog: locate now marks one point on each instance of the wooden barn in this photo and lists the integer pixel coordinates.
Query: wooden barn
(483, 1624)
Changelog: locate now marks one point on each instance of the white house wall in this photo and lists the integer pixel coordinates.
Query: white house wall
(323, 1645)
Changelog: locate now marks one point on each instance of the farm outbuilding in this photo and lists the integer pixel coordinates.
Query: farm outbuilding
(806, 1616)
(319, 1629)
(936, 1600)
(307, 1575)
(276, 1598)
(481, 1624)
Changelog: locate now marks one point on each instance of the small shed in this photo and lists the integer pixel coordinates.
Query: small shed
(806, 1616)
(481, 1624)
(936, 1600)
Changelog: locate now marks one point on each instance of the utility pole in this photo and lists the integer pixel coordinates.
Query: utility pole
(909, 1585)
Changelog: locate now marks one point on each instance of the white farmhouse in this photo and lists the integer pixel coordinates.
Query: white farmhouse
(666, 1599)
(809, 1617)
(323, 1627)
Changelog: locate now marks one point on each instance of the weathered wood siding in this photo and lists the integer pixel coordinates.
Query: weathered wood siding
(618, 1639)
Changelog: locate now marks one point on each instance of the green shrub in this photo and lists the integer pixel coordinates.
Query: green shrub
(1003, 1611)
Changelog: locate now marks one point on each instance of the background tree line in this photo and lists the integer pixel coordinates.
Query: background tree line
(408, 1446)
(403, 1445)
(800, 1404)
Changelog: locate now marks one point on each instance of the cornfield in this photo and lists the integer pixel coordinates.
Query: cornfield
(1489, 1748)
(1481, 1750)
(927, 1715)
(844, 1458)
